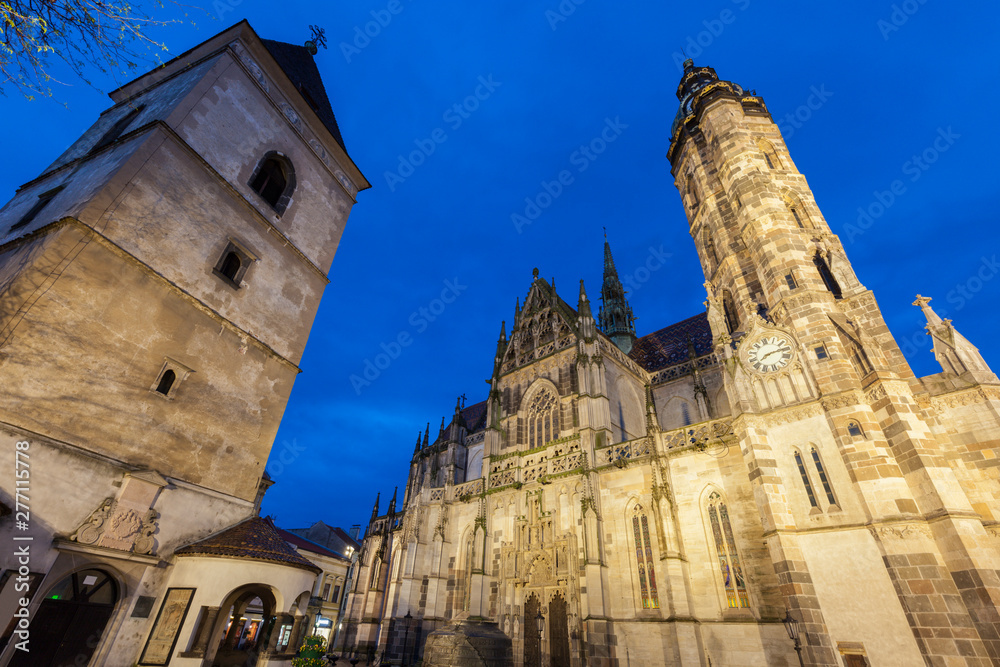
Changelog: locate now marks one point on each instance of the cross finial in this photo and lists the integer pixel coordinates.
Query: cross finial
(318, 37)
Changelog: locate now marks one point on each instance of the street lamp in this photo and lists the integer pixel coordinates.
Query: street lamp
(540, 625)
(406, 635)
(792, 627)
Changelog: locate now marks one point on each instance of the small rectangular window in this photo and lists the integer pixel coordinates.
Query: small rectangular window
(821, 353)
(336, 593)
(233, 265)
(43, 201)
(790, 281)
(326, 591)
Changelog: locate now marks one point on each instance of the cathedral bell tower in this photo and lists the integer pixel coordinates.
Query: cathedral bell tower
(812, 368)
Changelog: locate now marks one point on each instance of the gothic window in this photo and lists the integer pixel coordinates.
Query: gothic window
(543, 419)
(730, 569)
(729, 308)
(274, 181)
(692, 190)
(171, 374)
(376, 570)
(822, 477)
(770, 155)
(42, 202)
(827, 276)
(805, 480)
(790, 281)
(685, 414)
(798, 218)
(644, 559)
(118, 128)
(854, 429)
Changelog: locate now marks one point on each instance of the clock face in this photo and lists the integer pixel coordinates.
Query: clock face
(770, 353)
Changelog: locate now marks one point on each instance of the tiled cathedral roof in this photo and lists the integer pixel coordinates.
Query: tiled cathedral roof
(475, 417)
(669, 345)
(255, 538)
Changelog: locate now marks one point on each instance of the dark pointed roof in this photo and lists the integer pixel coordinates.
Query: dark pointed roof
(255, 538)
(300, 67)
(669, 345)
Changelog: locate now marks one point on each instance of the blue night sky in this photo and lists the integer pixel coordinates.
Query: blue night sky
(896, 96)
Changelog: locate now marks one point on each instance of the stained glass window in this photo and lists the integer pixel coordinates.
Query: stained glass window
(730, 568)
(644, 560)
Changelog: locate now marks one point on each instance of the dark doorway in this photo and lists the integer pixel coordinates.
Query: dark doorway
(67, 628)
(532, 645)
(558, 632)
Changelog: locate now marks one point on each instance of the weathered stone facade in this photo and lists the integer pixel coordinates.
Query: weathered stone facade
(666, 500)
(154, 307)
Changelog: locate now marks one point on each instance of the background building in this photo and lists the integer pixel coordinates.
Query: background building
(671, 498)
(157, 286)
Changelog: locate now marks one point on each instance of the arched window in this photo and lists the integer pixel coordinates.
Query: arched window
(644, 559)
(827, 276)
(733, 579)
(692, 191)
(166, 382)
(274, 180)
(376, 571)
(729, 307)
(770, 155)
(805, 480)
(543, 419)
(798, 218)
(822, 477)
(854, 429)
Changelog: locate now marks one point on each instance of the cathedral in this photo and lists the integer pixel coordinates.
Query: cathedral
(763, 483)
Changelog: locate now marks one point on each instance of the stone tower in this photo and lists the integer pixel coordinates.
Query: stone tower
(158, 283)
(795, 325)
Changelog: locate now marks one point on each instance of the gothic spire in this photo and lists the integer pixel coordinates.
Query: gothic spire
(375, 509)
(417, 448)
(427, 435)
(615, 317)
(953, 350)
(392, 503)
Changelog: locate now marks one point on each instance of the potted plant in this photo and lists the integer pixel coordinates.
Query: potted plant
(311, 652)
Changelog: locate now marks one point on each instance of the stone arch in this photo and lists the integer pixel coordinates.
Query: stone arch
(678, 412)
(223, 646)
(769, 153)
(630, 411)
(800, 216)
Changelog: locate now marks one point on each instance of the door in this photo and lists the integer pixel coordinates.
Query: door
(532, 646)
(558, 632)
(67, 628)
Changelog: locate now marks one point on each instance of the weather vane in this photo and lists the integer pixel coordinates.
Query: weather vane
(318, 37)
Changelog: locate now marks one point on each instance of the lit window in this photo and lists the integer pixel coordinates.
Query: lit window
(644, 559)
(733, 579)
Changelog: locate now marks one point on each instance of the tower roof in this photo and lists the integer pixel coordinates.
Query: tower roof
(615, 317)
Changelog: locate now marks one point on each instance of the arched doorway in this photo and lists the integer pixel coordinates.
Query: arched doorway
(248, 617)
(532, 643)
(67, 628)
(558, 632)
